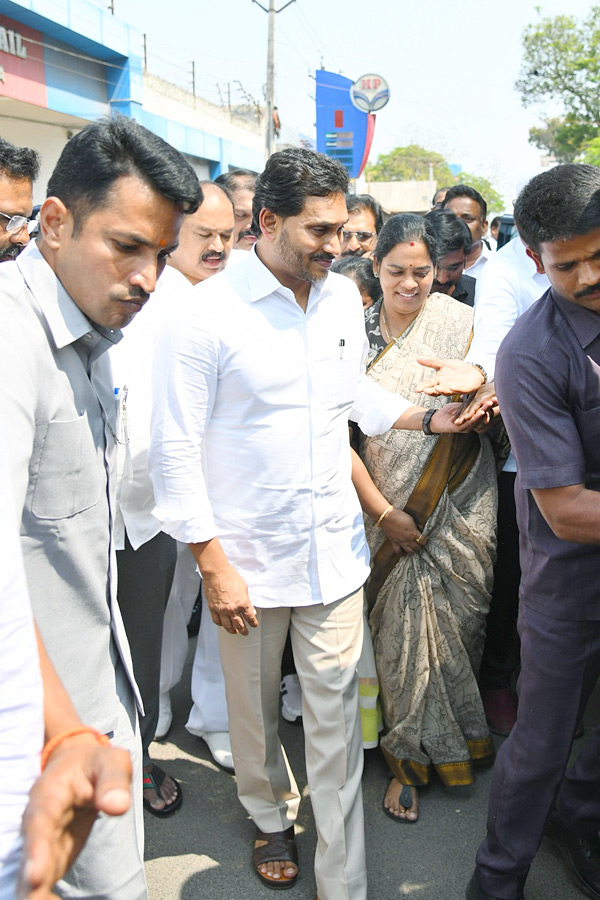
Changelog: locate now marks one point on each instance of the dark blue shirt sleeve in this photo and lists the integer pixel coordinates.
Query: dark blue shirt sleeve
(532, 387)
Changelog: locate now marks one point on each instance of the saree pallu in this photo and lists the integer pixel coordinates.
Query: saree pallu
(428, 621)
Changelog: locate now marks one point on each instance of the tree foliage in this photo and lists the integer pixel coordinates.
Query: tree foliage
(412, 164)
(562, 138)
(561, 63)
(494, 200)
(591, 153)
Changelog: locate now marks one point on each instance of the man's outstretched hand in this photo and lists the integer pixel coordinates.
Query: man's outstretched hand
(81, 779)
(452, 376)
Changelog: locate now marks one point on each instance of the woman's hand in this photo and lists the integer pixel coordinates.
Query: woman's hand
(403, 533)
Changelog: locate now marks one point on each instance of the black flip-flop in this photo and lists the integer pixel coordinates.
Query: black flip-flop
(280, 847)
(406, 801)
(154, 779)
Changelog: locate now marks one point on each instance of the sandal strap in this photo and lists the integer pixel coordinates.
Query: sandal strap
(154, 778)
(280, 847)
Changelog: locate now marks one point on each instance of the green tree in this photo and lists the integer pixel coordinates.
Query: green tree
(563, 138)
(561, 63)
(410, 163)
(494, 200)
(592, 152)
(413, 163)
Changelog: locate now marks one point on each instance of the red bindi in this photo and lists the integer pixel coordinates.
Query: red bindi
(412, 243)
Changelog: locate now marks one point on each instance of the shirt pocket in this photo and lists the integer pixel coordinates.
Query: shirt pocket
(348, 373)
(67, 479)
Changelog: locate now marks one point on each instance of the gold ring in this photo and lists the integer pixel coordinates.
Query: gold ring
(418, 540)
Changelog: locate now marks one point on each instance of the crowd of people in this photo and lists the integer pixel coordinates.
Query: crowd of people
(330, 428)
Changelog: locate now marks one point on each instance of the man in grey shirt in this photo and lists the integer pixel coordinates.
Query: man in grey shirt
(115, 204)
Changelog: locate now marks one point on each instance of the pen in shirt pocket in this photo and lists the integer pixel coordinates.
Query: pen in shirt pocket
(341, 345)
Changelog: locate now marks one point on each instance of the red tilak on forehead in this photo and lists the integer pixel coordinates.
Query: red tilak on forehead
(412, 243)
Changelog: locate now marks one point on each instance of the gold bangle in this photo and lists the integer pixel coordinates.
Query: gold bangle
(383, 515)
(64, 735)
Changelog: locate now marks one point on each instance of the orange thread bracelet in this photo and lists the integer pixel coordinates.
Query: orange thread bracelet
(64, 735)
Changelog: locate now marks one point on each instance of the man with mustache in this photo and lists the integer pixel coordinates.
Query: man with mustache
(115, 203)
(206, 237)
(254, 384)
(205, 246)
(240, 184)
(365, 221)
(19, 167)
(549, 395)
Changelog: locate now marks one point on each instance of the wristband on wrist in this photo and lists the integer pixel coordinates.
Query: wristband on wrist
(64, 735)
(383, 515)
(426, 423)
(481, 370)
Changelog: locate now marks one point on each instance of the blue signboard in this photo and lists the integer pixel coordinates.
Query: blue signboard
(343, 131)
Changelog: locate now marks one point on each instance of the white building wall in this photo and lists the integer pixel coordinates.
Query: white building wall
(171, 102)
(46, 138)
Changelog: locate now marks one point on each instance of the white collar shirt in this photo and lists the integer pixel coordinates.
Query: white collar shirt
(131, 361)
(509, 285)
(252, 398)
(478, 266)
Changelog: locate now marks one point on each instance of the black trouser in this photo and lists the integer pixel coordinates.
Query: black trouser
(501, 651)
(560, 667)
(145, 577)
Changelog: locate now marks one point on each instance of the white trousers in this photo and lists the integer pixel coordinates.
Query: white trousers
(209, 712)
(327, 642)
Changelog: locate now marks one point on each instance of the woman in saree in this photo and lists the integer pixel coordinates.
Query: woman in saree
(431, 509)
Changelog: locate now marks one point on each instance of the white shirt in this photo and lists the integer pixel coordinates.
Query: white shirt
(21, 693)
(250, 431)
(131, 361)
(509, 285)
(477, 268)
(237, 256)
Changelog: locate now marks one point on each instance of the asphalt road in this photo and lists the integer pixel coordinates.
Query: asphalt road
(203, 851)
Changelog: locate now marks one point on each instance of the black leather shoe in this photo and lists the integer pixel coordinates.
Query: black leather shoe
(582, 855)
(476, 892)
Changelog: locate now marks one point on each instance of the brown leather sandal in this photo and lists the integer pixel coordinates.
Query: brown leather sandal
(280, 847)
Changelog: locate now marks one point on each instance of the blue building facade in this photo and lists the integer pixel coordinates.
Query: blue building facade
(75, 60)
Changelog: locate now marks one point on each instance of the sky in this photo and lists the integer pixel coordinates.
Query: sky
(451, 67)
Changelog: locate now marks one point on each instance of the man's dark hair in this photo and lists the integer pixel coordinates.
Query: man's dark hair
(559, 204)
(361, 271)
(292, 175)
(365, 201)
(439, 191)
(237, 180)
(495, 221)
(18, 162)
(465, 190)
(451, 233)
(220, 187)
(109, 149)
(403, 228)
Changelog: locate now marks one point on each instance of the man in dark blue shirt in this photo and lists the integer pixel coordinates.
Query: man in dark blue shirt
(548, 385)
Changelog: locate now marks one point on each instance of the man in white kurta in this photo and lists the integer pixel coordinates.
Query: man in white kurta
(251, 466)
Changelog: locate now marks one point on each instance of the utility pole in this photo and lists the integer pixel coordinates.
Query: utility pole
(270, 91)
